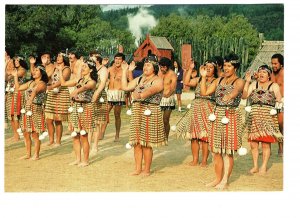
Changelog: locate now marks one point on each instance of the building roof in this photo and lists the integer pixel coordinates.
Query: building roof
(161, 42)
(266, 52)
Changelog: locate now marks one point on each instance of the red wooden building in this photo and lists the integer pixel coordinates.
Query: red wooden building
(159, 46)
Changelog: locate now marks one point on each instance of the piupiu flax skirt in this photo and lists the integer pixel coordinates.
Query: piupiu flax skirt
(195, 123)
(226, 138)
(35, 122)
(14, 104)
(101, 109)
(147, 130)
(84, 120)
(57, 104)
(262, 126)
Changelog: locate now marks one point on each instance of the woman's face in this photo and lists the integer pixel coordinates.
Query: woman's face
(85, 70)
(37, 73)
(59, 59)
(148, 69)
(210, 69)
(263, 76)
(17, 62)
(175, 64)
(229, 69)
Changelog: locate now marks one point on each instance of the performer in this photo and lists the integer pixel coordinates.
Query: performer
(146, 124)
(262, 121)
(194, 125)
(179, 86)
(58, 99)
(32, 115)
(167, 103)
(226, 129)
(15, 97)
(81, 110)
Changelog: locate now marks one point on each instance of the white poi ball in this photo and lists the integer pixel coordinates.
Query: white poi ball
(173, 128)
(41, 137)
(273, 111)
(12, 89)
(23, 111)
(225, 120)
(248, 109)
(55, 90)
(101, 100)
(19, 130)
(129, 112)
(80, 110)
(29, 113)
(82, 132)
(188, 106)
(147, 112)
(7, 89)
(242, 151)
(21, 134)
(70, 110)
(128, 146)
(45, 134)
(212, 117)
(73, 134)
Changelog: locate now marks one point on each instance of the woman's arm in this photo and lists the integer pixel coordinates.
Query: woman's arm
(103, 80)
(157, 87)
(125, 86)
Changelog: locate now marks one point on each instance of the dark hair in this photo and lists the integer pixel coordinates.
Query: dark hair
(211, 61)
(266, 68)
(120, 55)
(92, 65)
(233, 59)
(279, 57)
(218, 60)
(65, 58)
(75, 52)
(139, 65)
(154, 61)
(8, 52)
(178, 64)
(99, 59)
(21, 61)
(43, 72)
(165, 62)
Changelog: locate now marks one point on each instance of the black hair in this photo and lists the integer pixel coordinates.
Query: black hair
(165, 62)
(211, 61)
(266, 68)
(218, 60)
(65, 58)
(153, 60)
(99, 59)
(21, 61)
(279, 57)
(43, 72)
(75, 52)
(92, 65)
(120, 55)
(178, 64)
(233, 59)
(139, 65)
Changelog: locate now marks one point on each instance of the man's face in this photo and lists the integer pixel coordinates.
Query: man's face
(276, 66)
(45, 58)
(118, 61)
(163, 69)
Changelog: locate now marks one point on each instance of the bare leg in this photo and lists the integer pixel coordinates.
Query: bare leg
(228, 166)
(179, 101)
(94, 149)
(117, 112)
(15, 126)
(27, 146)
(266, 156)
(102, 130)
(205, 153)
(58, 132)
(148, 154)
(195, 152)
(50, 127)
(255, 153)
(37, 145)
(86, 150)
(138, 157)
(219, 166)
(77, 150)
(280, 144)
(166, 119)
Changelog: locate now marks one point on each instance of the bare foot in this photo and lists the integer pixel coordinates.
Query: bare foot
(76, 162)
(280, 154)
(212, 184)
(117, 140)
(93, 152)
(25, 157)
(193, 163)
(145, 173)
(222, 186)
(136, 173)
(253, 170)
(83, 164)
(47, 144)
(262, 171)
(202, 165)
(35, 158)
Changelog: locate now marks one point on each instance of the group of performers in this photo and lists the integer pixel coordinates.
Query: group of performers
(82, 91)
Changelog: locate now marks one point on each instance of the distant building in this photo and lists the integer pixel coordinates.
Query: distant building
(157, 45)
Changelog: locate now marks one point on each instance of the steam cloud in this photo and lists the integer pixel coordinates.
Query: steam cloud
(141, 22)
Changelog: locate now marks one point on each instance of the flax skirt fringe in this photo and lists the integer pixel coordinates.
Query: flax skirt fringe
(195, 123)
(84, 120)
(147, 130)
(101, 109)
(262, 126)
(35, 122)
(226, 138)
(57, 105)
(14, 104)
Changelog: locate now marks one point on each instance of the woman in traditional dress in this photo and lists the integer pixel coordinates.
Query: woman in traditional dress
(15, 97)
(100, 105)
(194, 125)
(262, 121)
(146, 124)
(81, 110)
(58, 99)
(32, 115)
(225, 136)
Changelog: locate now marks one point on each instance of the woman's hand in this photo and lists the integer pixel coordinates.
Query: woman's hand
(248, 76)
(32, 60)
(124, 66)
(73, 94)
(136, 95)
(203, 71)
(132, 66)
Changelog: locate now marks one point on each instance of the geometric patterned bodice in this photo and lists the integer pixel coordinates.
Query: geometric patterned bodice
(224, 89)
(262, 97)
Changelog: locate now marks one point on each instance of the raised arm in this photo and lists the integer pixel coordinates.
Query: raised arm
(246, 90)
(203, 89)
(238, 88)
(103, 79)
(187, 79)
(125, 86)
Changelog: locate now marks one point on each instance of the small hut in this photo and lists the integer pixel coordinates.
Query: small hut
(157, 45)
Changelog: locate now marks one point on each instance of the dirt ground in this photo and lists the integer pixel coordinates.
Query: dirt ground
(109, 170)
